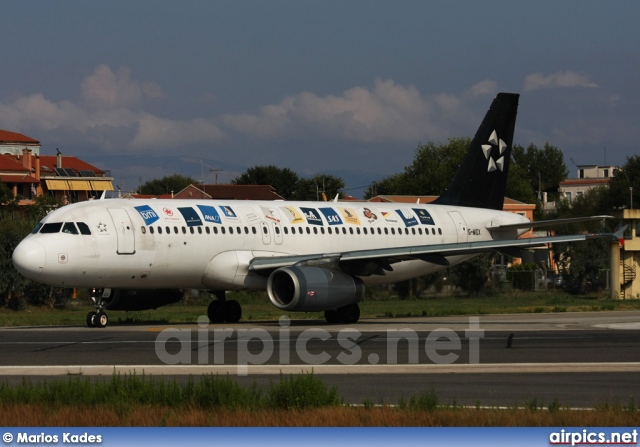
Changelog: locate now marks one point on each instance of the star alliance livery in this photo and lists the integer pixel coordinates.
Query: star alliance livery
(139, 254)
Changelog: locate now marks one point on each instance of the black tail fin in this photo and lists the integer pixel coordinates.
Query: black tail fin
(481, 178)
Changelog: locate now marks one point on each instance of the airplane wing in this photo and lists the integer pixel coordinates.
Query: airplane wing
(546, 223)
(383, 258)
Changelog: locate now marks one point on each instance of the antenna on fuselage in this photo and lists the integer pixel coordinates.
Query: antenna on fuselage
(103, 195)
(335, 199)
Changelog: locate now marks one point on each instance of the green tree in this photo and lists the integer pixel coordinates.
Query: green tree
(284, 180)
(433, 168)
(627, 176)
(544, 168)
(312, 188)
(166, 185)
(289, 185)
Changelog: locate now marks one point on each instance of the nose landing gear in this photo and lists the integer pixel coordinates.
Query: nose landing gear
(97, 318)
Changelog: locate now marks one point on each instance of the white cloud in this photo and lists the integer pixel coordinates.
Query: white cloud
(155, 132)
(560, 79)
(387, 111)
(107, 119)
(105, 89)
(111, 116)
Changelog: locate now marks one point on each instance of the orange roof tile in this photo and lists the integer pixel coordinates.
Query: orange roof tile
(51, 161)
(14, 137)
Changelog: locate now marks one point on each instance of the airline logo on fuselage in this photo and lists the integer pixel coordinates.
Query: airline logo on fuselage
(148, 214)
(312, 216)
(424, 216)
(331, 215)
(190, 217)
(407, 217)
(210, 214)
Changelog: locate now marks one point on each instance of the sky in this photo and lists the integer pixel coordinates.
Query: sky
(150, 88)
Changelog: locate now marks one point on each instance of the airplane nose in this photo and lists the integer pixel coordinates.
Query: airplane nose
(28, 258)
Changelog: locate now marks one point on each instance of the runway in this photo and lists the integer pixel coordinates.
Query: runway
(579, 359)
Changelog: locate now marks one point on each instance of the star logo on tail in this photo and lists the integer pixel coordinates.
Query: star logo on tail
(494, 141)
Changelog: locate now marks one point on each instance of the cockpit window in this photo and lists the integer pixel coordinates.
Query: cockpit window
(70, 228)
(51, 227)
(84, 228)
(37, 228)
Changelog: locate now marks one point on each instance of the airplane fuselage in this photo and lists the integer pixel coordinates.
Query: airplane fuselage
(209, 244)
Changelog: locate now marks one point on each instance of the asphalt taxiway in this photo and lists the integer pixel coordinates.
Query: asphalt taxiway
(579, 359)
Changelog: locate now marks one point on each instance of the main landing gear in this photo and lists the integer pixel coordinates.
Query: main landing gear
(97, 318)
(348, 314)
(223, 310)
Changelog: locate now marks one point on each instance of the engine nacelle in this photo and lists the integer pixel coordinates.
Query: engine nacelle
(139, 299)
(309, 289)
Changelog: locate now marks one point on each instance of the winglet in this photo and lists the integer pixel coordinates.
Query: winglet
(619, 234)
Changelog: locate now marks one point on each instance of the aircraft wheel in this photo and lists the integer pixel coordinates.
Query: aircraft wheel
(101, 319)
(91, 319)
(232, 311)
(332, 316)
(215, 311)
(349, 314)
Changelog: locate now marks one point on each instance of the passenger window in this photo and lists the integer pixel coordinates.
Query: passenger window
(143, 230)
(433, 231)
(199, 230)
(215, 230)
(253, 229)
(168, 230)
(420, 232)
(308, 230)
(208, 230)
(386, 231)
(365, 230)
(358, 230)
(344, 230)
(159, 230)
(239, 230)
(222, 230)
(184, 230)
(191, 230)
(51, 227)
(151, 230)
(84, 228)
(440, 231)
(175, 230)
(69, 228)
(277, 230)
(350, 230)
(322, 230)
(246, 230)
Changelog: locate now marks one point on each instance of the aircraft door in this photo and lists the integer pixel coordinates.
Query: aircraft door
(277, 232)
(124, 230)
(460, 225)
(266, 236)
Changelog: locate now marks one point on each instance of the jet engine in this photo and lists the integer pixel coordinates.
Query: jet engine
(139, 299)
(308, 289)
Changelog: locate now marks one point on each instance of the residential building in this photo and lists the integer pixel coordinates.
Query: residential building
(28, 174)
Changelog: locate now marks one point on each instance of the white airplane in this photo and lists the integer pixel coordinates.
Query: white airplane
(309, 256)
